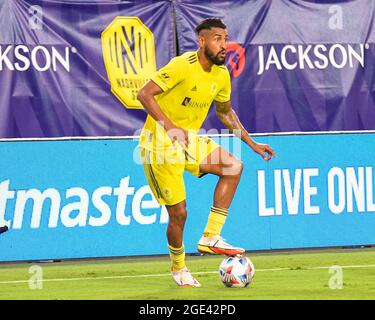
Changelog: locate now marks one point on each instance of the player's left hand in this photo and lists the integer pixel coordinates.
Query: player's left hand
(265, 151)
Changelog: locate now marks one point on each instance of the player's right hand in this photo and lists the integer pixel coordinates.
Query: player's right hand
(180, 135)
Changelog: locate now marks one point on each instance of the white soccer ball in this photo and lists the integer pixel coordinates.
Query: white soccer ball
(236, 272)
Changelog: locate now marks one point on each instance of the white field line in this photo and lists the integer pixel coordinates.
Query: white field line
(168, 274)
(136, 137)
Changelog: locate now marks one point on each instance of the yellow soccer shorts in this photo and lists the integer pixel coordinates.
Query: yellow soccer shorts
(165, 168)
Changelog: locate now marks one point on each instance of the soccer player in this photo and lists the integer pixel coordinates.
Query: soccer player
(177, 100)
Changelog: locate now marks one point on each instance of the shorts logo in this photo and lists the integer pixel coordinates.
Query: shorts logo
(129, 57)
(167, 193)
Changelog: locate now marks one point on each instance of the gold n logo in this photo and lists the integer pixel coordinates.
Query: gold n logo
(129, 57)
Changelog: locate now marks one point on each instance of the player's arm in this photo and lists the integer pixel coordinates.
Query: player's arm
(228, 117)
(147, 98)
(165, 79)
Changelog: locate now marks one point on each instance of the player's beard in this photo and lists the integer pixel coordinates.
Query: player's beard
(215, 59)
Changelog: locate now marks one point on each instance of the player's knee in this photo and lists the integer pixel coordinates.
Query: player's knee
(178, 216)
(235, 167)
(238, 167)
(178, 219)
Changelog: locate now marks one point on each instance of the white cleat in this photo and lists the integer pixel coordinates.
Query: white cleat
(183, 278)
(217, 245)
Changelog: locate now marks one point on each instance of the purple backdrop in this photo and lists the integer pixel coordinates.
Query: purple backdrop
(296, 65)
(336, 96)
(79, 102)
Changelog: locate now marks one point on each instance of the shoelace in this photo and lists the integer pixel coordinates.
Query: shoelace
(223, 240)
(220, 238)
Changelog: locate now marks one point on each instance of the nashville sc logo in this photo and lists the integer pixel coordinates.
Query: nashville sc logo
(129, 57)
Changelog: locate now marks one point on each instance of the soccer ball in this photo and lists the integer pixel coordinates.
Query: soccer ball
(236, 272)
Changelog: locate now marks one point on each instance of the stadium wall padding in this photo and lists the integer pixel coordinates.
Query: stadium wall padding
(71, 69)
(89, 198)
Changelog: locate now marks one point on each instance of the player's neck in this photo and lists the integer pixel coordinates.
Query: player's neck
(205, 63)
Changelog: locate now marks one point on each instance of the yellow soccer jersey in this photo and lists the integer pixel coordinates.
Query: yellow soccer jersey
(188, 94)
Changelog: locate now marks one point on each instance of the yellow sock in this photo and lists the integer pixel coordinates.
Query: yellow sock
(177, 257)
(216, 220)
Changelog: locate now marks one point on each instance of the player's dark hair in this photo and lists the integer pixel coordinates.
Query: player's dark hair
(209, 23)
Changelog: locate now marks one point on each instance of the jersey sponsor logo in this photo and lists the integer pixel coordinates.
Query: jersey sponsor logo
(40, 58)
(129, 56)
(77, 207)
(311, 56)
(191, 103)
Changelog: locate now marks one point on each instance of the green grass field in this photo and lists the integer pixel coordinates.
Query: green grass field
(278, 275)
